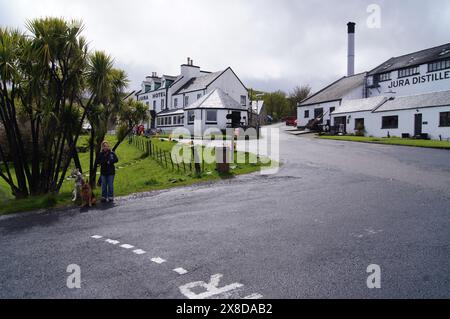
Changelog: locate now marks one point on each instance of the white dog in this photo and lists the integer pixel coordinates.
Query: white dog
(78, 177)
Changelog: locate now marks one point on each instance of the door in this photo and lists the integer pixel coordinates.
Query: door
(318, 113)
(417, 124)
(340, 124)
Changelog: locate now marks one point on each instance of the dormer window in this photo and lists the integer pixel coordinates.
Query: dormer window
(384, 77)
(444, 52)
(403, 73)
(439, 65)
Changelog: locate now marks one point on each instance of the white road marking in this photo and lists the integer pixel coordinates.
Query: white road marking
(254, 296)
(180, 271)
(158, 260)
(112, 242)
(211, 288)
(97, 237)
(126, 246)
(139, 252)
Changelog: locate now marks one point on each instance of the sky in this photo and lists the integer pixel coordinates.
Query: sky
(271, 45)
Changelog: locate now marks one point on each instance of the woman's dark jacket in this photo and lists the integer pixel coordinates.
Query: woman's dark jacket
(106, 160)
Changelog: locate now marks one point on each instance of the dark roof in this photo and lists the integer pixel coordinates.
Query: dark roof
(216, 99)
(337, 90)
(199, 83)
(414, 59)
(434, 99)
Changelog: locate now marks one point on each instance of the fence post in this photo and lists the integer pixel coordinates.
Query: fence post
(171, 161)
(165, 159)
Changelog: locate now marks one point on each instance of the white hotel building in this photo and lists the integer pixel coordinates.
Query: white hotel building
(405, 96)
(195, 98)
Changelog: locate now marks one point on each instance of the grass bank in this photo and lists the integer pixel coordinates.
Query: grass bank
(391, 141)
(136, 173)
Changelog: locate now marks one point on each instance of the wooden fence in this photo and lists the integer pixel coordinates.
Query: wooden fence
(164, 158)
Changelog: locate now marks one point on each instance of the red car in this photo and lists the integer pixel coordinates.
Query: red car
(291, 121)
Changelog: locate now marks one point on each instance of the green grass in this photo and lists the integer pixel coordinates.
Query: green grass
(392, 141)
(135, 173)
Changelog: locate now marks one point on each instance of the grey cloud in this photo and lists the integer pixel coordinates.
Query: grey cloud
(270, 44)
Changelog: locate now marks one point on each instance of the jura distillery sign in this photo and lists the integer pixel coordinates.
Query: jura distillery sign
(420, 79)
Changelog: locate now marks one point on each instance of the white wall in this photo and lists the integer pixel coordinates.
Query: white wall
(302, 121)
(413, 89)
(192, 98)
(370, 121)
(357, 93)
(373, 122)
(200, 116)
(231, 85)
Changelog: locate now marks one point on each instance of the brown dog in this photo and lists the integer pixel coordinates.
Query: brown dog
(87, 196)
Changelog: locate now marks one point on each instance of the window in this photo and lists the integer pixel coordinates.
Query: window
(186, 101)
(199, 96)
(154, 105)
(444, 119)
(243, 100)
(162, 104)
(191, 117)
(169, 119)
(359, 124)
(439, 65)
(384, 77)
(211, 117)
(403, 73)
(332, 109)
(307, 114)
(175, 102)
(389, 122)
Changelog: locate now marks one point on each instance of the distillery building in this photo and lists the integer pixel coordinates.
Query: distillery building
(405, 96)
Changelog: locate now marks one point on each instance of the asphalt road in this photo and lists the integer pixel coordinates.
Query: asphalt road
(309, 231)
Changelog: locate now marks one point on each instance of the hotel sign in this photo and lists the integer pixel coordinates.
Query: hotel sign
(158, 95)
(420, 79)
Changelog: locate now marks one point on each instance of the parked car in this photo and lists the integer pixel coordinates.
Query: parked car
(291, 121)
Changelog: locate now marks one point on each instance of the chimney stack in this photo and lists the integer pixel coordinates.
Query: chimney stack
(351, 49)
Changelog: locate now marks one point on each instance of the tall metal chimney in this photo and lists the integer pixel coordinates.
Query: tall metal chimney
(351, 49)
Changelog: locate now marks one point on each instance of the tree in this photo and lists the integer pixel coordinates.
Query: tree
(49, 85)
(276, 104)
(131, 114)
(41, 77)
(108, 107)
(298, 94)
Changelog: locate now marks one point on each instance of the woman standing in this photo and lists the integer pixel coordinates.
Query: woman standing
(106, 160)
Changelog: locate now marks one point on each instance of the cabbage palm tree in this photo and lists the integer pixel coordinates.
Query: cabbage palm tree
(41, 79)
